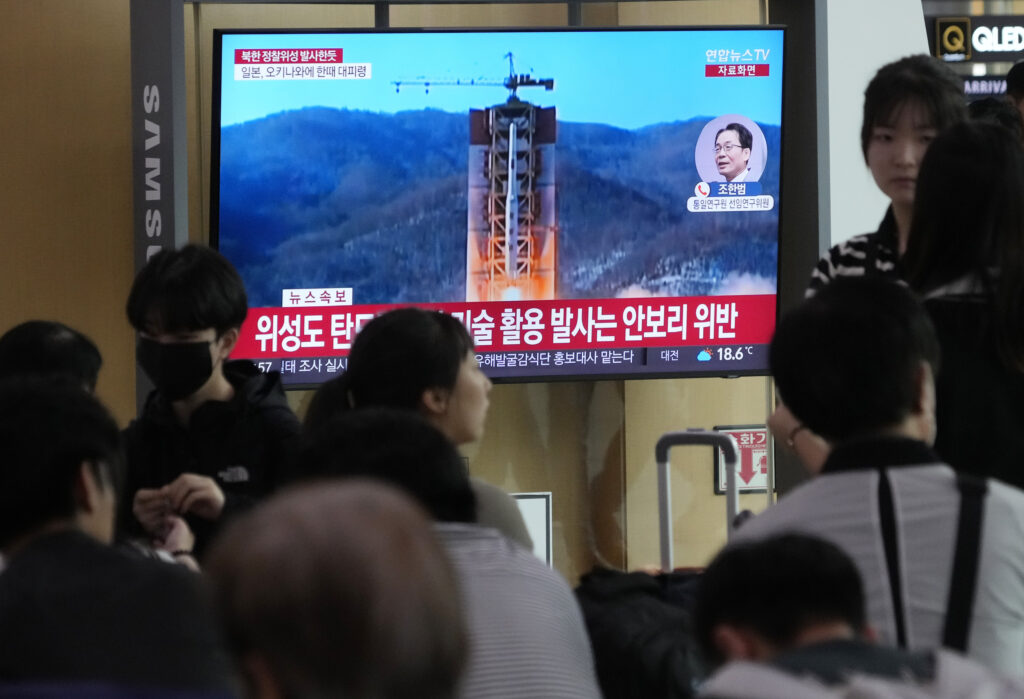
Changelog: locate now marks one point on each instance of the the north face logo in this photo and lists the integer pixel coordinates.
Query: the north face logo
(234, 474)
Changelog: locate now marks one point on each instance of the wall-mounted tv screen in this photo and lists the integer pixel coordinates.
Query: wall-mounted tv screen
(589, 203)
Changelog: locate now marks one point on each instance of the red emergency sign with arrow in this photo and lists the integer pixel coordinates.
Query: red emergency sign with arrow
(752, 468)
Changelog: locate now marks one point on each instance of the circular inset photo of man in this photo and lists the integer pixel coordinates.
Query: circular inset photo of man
(731, 148)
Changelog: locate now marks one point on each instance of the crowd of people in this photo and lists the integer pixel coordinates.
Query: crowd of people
(219, 547)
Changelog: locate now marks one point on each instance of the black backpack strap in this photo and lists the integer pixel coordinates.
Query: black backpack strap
(890, 540)
(964, 577)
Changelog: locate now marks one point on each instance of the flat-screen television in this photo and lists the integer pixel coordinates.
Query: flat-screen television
(591, 203)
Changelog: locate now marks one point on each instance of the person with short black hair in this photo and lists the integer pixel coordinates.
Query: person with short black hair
(872, 352)
(906, 105)
(55, 439)
(814, 588)
(72, 608)
(364, 603)
(856, 364)
(526, 632)
(997, 111)
(422, 461)
(805, 634)
(732, 152)
(49, 348)
(216, 434)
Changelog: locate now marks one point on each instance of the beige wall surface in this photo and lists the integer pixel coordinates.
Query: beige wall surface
(692, 12)
(65, 179)
(565, 438)
(698, 515)
(479, 15)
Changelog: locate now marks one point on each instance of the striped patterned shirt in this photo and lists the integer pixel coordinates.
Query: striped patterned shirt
(527, 638)
(869, 254)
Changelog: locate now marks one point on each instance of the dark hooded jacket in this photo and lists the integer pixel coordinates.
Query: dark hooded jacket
(246, 444)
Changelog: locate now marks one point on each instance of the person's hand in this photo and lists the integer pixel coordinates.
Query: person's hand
(190, 493)
(811, 449)
(151, 507)
(177, 536)
(178, 541)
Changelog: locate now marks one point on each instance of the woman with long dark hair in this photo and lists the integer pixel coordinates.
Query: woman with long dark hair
(423, 361)
(965, 257)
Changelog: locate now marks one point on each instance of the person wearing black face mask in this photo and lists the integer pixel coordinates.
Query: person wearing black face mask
(215, 434)
(177, 369)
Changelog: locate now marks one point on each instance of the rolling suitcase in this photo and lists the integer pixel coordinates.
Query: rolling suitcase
(640, 624)
(665, 443)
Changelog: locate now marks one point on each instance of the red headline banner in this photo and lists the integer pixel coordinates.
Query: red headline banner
(735, 70)
(262, 56)
(527, 325)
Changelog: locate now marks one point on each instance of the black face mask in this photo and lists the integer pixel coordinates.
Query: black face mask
(178, 369)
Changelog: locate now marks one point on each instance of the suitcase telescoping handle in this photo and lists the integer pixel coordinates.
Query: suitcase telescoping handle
(668, 440)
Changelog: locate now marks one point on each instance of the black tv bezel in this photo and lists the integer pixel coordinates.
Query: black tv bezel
(215, 129)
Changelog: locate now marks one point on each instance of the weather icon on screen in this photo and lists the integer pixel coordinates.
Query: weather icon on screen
(704, 356)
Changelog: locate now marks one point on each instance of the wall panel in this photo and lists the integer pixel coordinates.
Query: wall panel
(65, 184)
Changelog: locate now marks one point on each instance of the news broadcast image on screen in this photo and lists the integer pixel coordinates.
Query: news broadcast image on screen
(589, 203)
